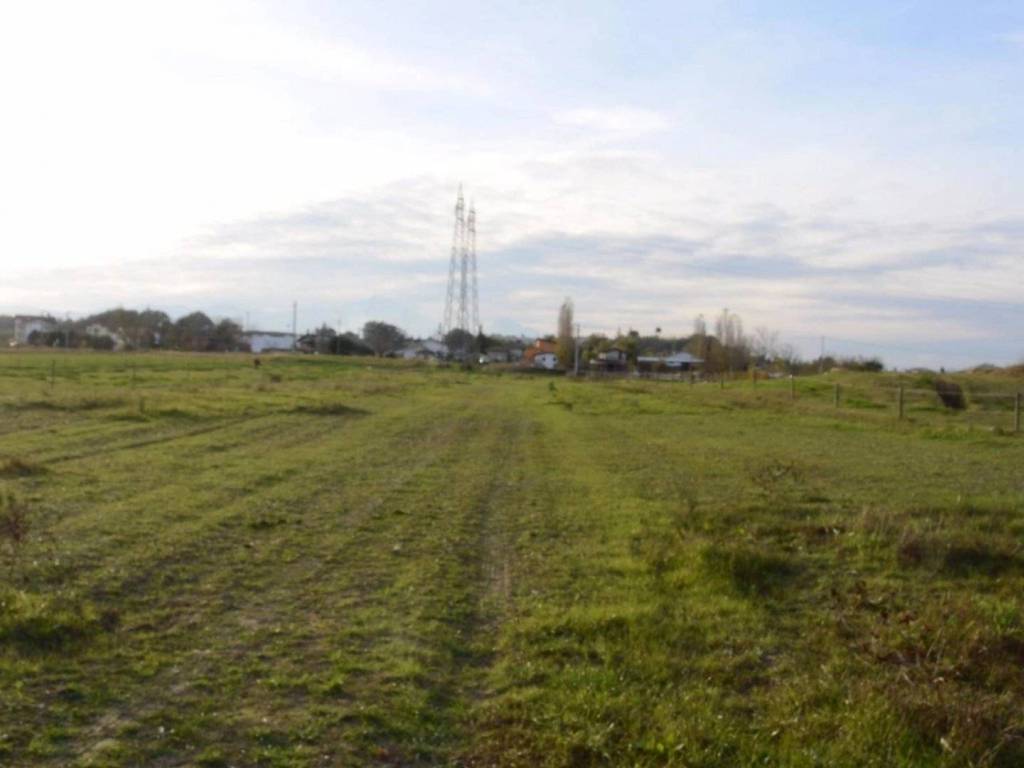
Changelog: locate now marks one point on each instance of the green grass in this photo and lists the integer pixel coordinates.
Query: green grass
(339, 562)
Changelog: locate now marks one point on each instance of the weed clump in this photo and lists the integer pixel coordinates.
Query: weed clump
(14, 527)
(17, 467)
(958, 555)
(777, 480)
(749, 571)
(34, 623)
(953, 674)
(327, 409)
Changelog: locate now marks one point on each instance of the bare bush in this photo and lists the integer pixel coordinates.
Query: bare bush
(15, 526)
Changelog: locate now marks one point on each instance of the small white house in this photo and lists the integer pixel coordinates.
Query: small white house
(26, 325)
(546, 360)
(97, 331)
(424, 350)
(268, 341)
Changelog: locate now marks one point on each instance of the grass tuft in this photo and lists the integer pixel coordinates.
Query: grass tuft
(17, 467)
(748, 570)
(328, 409)
(38, 624)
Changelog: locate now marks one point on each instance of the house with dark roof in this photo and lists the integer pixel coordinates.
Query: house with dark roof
(613, 359)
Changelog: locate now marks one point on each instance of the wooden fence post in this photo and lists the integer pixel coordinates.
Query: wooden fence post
(900, 401)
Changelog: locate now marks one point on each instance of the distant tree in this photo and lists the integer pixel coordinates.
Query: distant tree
(193, 332)
(700, 326)
(765, 344)
(734, 345)
(225, 337)
(138, 330)
(592, 346)
(382, 337)
(788, 358)
(322, 337)
(460, 342)
(566, 344)
(482, 342)
(349, 344)
(6, 328)
(699, 344)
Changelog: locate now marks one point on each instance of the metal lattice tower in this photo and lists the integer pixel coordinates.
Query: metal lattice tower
(461, 306)
(474, 316)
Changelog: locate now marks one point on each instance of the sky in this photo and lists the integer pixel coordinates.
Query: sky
(822, 169)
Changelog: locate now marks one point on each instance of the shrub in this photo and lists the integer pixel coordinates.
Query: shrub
(951, 394)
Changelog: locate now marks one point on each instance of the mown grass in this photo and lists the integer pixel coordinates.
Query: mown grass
(330, 562)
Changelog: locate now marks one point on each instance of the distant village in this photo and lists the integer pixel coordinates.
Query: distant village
(697, 354)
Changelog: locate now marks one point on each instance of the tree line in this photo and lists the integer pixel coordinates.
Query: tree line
(724, 347)
(198, 332)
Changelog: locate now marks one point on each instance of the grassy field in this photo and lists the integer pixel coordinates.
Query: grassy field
(330, 562)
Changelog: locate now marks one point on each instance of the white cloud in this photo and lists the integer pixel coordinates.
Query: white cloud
(615, 122)
(225, 154)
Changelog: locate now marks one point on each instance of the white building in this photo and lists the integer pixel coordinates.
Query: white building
(26, 325)
(424, 350)
(546, 360)
(97, 331)
(268, 341)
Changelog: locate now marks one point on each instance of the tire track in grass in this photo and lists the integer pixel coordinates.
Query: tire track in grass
(377, 610)
(462, 575)
(288, 579)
